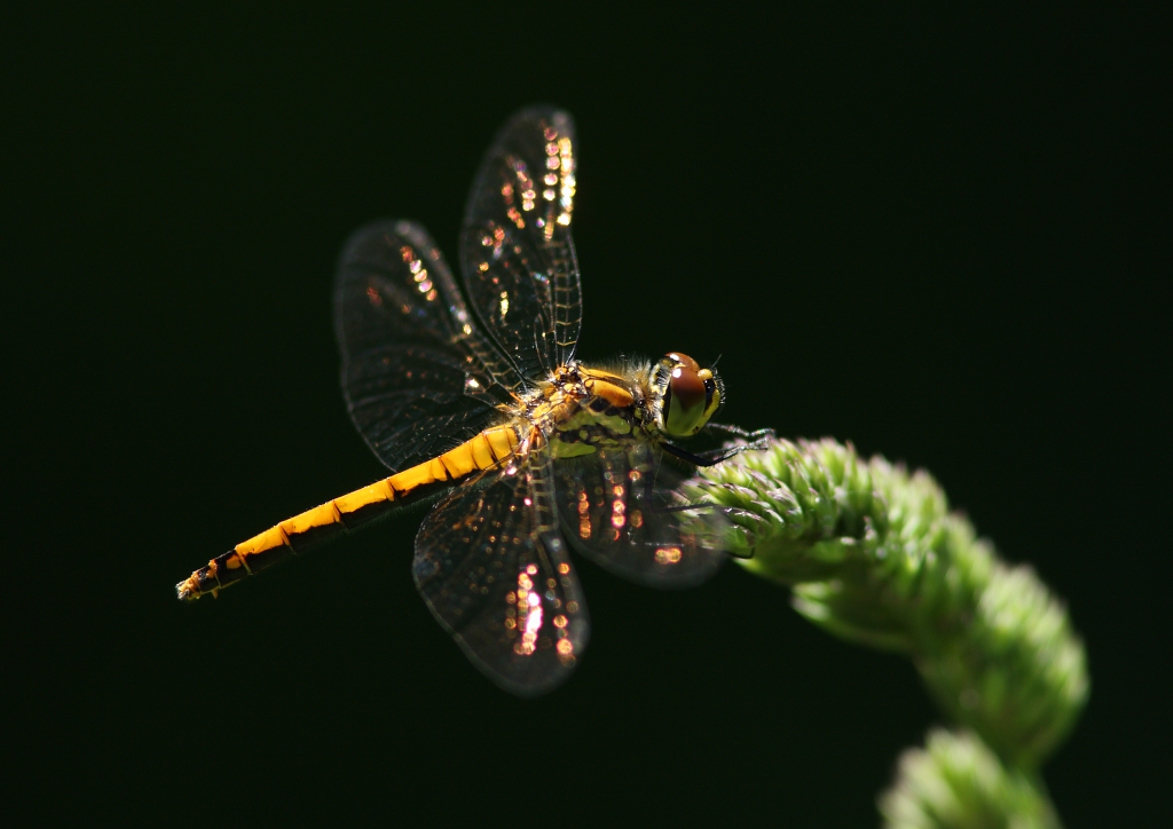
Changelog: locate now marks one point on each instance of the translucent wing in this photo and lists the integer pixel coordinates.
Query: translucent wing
(621, 507)
(515, 247)
(418, 376)
(492, 566)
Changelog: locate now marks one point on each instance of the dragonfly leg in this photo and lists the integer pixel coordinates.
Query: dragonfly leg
(757, 439)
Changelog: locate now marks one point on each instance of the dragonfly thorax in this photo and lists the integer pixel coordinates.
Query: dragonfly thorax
(583, 408)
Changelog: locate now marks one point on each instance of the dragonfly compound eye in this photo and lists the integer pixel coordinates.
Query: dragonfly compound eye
(691, 395)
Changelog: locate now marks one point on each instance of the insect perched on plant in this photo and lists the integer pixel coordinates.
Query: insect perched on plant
(523, 446)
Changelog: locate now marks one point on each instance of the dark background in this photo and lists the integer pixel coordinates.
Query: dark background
(935, 234)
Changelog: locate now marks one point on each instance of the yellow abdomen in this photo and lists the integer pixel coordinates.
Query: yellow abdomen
(487, 450)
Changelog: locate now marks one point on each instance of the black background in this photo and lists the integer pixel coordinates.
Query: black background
(932, 233)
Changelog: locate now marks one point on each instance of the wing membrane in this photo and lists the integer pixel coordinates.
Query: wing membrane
(410, 350)
(620, 507)
(495, 573)
(516, 252)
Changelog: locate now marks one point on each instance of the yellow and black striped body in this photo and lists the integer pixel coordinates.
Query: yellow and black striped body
(609, 412)
(576, 412)
(349, 512)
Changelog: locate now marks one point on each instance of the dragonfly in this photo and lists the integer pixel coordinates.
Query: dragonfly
(524, 450)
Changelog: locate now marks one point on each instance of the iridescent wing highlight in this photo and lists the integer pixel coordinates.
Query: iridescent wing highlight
(418, 376)
(622, 508)
(516, 252)
(493, 568)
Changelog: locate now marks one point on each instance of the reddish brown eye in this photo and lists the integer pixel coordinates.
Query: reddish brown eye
(687, 388)
(688, 395)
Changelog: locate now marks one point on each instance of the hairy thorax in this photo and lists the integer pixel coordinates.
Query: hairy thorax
(581, 409)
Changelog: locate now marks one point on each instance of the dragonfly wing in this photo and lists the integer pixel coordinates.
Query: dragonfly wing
(516, 251)
(621, 507)
(419, 377)
(497, 576)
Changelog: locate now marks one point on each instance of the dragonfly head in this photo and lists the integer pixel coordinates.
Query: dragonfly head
(688, 394)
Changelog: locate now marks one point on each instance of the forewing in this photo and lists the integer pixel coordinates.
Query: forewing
(418, 376)
(516, 252)
(496, 574)
(622, 508)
